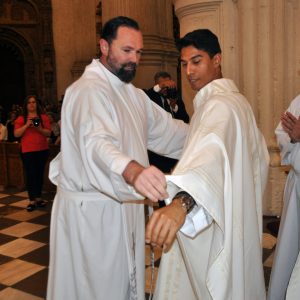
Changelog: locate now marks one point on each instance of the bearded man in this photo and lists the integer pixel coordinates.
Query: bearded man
(97, 238)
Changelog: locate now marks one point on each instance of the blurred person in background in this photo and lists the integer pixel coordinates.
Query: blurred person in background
(288, 240)
(33, 127)
(3, 132)
(10, 125)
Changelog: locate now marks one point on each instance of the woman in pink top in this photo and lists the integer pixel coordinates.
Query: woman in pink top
(33, 128)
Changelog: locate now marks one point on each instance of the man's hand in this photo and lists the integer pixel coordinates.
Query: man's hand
(173, 103)
(164, 223)
(291, 125)
(149, 182)
(168, 83)
(295, 134)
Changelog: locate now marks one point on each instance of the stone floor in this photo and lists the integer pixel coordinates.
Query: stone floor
(24, 251)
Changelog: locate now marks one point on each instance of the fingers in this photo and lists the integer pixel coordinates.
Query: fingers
(160, 232)
(169, 240)
(291, 117)
(164, 224)
(158, 228)
(288, 122)
(153, 226)
(151, 182)
(168, 84)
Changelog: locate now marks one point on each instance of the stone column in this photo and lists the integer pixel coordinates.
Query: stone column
(194, 14)
(74, 32)
(156, 22)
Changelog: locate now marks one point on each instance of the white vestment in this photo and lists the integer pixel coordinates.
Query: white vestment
(288, 241)
(293, 291)
(97, 240)
(224, 167)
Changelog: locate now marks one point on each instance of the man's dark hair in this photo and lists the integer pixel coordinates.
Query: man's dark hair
(110, 28)
(161, 74)
(202, 39)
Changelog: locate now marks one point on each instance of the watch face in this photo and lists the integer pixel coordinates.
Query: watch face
(187, 202)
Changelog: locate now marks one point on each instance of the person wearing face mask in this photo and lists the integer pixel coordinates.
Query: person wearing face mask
(102, 174)
(215, 192)
(33, 128)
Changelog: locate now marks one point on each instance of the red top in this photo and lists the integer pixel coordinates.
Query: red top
(32, 140)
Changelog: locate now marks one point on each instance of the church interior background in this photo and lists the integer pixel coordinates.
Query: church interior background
(44, 47)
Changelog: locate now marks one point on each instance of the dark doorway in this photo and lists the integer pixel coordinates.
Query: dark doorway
(12, 81)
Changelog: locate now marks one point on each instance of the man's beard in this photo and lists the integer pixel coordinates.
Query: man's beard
(127, 75)
(123, 74)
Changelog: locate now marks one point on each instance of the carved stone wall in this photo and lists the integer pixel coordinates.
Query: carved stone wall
(74, 27)
(81, 21)
(27, 27)
(260, 42)
(157, 27)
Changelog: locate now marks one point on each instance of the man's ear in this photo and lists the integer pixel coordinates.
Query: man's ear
(217, 59)
(104, 47)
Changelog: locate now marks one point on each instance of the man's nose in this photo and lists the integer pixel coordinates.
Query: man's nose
(189, 69)
(135, 57)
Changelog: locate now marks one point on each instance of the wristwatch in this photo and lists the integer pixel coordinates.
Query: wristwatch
(186, 200)
(293, 141)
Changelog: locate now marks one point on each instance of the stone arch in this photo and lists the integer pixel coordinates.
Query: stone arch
(26, 35)
(16, 46)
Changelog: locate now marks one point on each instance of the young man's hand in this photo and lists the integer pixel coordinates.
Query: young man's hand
(164, 223)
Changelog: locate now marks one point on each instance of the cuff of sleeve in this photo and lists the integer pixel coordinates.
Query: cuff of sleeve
(196, 221)
(156, 88)
(118, 166)
(175, 110)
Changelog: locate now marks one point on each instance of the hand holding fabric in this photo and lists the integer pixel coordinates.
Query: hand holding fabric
(164, 223)
(149, 182)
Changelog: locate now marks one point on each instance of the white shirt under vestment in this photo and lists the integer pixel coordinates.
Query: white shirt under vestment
(97, 239)
(224, 167)
(288, 240)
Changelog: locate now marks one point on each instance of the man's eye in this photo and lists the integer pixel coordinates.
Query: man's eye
(196, 62)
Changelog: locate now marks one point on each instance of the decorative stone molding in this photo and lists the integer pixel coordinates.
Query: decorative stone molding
(28, 26)
(15, 12)
(158, 50)
(295, 3)
(200, 7)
